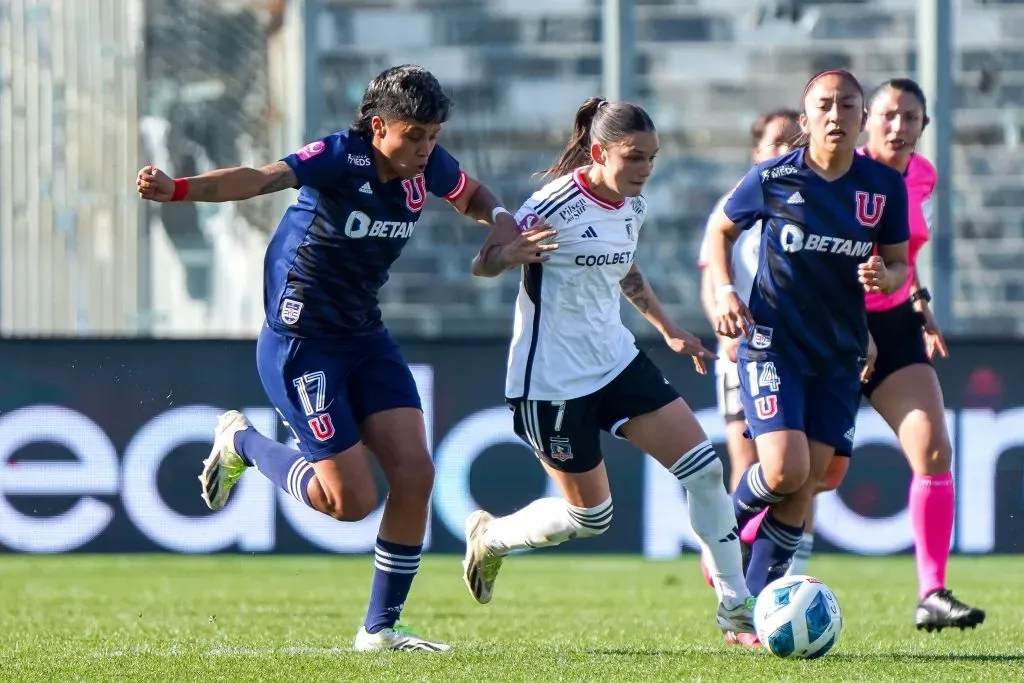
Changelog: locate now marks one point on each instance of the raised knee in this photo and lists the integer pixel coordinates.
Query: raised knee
(350, 503)
(787, 476)
(590, 522)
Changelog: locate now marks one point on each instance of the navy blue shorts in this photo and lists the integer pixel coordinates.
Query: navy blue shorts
(324, 388)
(775, 397)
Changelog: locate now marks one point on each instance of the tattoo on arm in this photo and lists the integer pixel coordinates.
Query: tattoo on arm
(634, 287)
(240, 183)
(279, 176)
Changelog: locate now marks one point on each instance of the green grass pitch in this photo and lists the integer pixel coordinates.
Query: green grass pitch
(555, 617)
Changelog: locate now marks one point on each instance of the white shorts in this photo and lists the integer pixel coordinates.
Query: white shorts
(727, 389)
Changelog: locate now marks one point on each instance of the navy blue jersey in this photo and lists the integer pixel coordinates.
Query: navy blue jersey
(334, 246)
(807, 302)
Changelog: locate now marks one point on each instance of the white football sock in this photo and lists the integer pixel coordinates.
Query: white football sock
(713, 520)
(546, 522)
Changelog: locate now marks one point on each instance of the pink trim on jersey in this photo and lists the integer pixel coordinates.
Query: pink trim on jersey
(920, 179)
(460, 187)
(580, 178)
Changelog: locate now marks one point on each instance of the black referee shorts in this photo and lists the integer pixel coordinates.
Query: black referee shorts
(899, 336)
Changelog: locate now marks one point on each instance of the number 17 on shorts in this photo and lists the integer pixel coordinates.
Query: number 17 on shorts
(769, 404)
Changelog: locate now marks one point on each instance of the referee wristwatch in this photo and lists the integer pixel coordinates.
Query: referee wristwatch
(921, 295)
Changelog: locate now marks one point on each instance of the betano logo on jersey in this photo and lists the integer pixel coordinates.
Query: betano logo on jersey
(613, 259)
(793, 240)
(358, 225)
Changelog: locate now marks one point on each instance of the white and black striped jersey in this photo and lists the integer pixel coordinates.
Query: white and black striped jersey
(569, 339)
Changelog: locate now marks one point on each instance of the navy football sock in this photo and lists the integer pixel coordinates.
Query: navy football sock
(282, 465)
(752, 495)
(394, 567)
(774, 546)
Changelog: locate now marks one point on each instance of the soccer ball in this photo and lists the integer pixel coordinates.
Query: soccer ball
(797, 616)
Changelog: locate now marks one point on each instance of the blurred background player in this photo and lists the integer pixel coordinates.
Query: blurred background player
(326, 361)
(771, 134)
(804, 337)
(575, 370)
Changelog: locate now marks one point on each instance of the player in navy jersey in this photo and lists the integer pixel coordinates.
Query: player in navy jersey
(575, 369)
(326, 361)
(804, 344)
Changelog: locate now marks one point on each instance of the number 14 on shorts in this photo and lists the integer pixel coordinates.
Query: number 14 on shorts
(767, 377)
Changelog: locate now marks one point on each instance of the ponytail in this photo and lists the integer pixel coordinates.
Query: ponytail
(577, 150)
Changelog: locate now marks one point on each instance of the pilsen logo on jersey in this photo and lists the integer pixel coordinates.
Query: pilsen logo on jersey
(415, 193)
(869, 215)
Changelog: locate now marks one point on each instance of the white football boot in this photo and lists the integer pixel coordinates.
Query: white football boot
(224, 467)
(398, 638)
(737, 624)
(480, 568)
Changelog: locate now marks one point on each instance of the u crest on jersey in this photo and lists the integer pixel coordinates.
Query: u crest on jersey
(415, 193)
(869, 214)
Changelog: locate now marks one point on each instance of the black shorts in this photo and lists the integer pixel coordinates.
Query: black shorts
(567, 434)
(898, 334)
(727, 389)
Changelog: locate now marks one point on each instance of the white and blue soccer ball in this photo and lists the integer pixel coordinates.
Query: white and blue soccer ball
(798, 616)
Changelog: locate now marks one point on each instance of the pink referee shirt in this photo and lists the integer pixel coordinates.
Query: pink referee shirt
(920, 179)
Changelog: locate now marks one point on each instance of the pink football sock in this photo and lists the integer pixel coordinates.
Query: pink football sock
(931, 514)
(749, 532)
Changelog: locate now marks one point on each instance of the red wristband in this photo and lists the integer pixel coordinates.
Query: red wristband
(180, 189)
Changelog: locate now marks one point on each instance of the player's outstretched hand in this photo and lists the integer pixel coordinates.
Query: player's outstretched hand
(529, 247)
(155, 185)
(732, 317)
(934, 342)
(869, 364)
(872, 274)
(683, 342)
